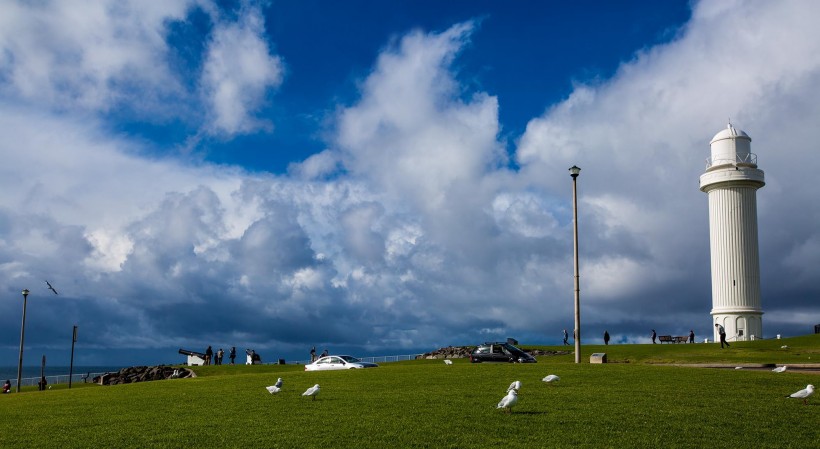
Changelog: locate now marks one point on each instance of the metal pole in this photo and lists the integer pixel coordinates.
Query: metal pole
(42, 374)
(22, 338)
(574, 175)
(71, 366)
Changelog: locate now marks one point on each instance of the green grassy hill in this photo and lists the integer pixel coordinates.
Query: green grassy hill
(427, 404)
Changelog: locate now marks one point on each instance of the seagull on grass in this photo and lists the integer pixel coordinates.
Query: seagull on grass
(514, 386)
(312, 391)
(803, 394)
(448, 362)
(50, 287)
(508, 401)
(779, 369)
(275, 388)
(551, 378)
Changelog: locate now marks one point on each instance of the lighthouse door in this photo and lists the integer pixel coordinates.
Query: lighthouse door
(741, 328)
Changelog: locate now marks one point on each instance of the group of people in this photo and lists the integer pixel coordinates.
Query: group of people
(313, 357)
(216, 359)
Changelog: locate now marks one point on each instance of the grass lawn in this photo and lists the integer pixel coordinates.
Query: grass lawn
(427, 404)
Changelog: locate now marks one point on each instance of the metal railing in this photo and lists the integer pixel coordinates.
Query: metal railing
(748, 158)
(56, 379)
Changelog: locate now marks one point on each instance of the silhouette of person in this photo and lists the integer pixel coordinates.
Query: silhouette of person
(691, 336)
(654, 335)
(606, 337)
(566, 336)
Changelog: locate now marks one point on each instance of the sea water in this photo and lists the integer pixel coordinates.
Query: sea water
(54, 374)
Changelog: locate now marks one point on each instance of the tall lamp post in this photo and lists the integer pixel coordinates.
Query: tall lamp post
(574, 171)
(22, 338)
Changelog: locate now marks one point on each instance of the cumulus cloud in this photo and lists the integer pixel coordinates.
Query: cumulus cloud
(410, 230)
(93, 57)
(238, 71)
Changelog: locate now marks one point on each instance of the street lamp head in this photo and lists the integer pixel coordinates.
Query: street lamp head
(25, 292)
(574, 171)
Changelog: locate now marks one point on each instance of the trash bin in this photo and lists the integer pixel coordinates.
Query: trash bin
(281, 361)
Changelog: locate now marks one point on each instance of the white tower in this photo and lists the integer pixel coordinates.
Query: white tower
(731, 181)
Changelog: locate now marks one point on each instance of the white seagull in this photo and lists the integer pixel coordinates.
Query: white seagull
(312, 391)
(273, 389)
(779, 369)
(448, 362)
(278, 383)
(551, 378)
(508, 401)
(803, 394)
(514, 386)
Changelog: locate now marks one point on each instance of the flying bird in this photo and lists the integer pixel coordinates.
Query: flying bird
(448, 362)
(803, 394)
(779, 369)
(273, 389)
(508, 401)
(51, 288)
(515, 386)
(551, 378)
(312, 391)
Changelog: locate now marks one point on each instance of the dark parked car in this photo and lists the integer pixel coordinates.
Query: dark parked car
(500, 352)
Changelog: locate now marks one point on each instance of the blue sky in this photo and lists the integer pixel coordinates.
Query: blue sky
(389, 177)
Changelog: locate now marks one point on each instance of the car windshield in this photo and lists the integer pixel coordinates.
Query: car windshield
(350, 359)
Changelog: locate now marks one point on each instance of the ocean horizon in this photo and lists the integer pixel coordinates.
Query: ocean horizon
(10, 372)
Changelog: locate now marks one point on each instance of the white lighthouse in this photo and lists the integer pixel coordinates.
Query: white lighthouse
(731, 181)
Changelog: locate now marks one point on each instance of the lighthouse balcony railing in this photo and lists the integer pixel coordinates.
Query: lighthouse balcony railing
(749, 159)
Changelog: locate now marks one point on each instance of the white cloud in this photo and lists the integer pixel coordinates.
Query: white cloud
(93, 57)
(409, 229)
(238, 72)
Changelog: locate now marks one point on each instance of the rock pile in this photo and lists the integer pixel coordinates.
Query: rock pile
(143, 374)
(450, 352)
(462, 352)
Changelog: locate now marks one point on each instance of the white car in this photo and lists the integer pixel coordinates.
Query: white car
(332, 362)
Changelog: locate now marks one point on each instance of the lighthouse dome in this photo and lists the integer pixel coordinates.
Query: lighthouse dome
(731, 146)
(730, 132)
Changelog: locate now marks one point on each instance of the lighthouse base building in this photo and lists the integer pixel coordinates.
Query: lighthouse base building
(731, 181)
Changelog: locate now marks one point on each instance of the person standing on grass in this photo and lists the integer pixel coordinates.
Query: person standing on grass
(232, 355)
(219, 355)
(566, 337)
(654, 335)
(691, 336)
(7, 387)
(606, 337)
(313, 354)
(209, 354)
(722, 333)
